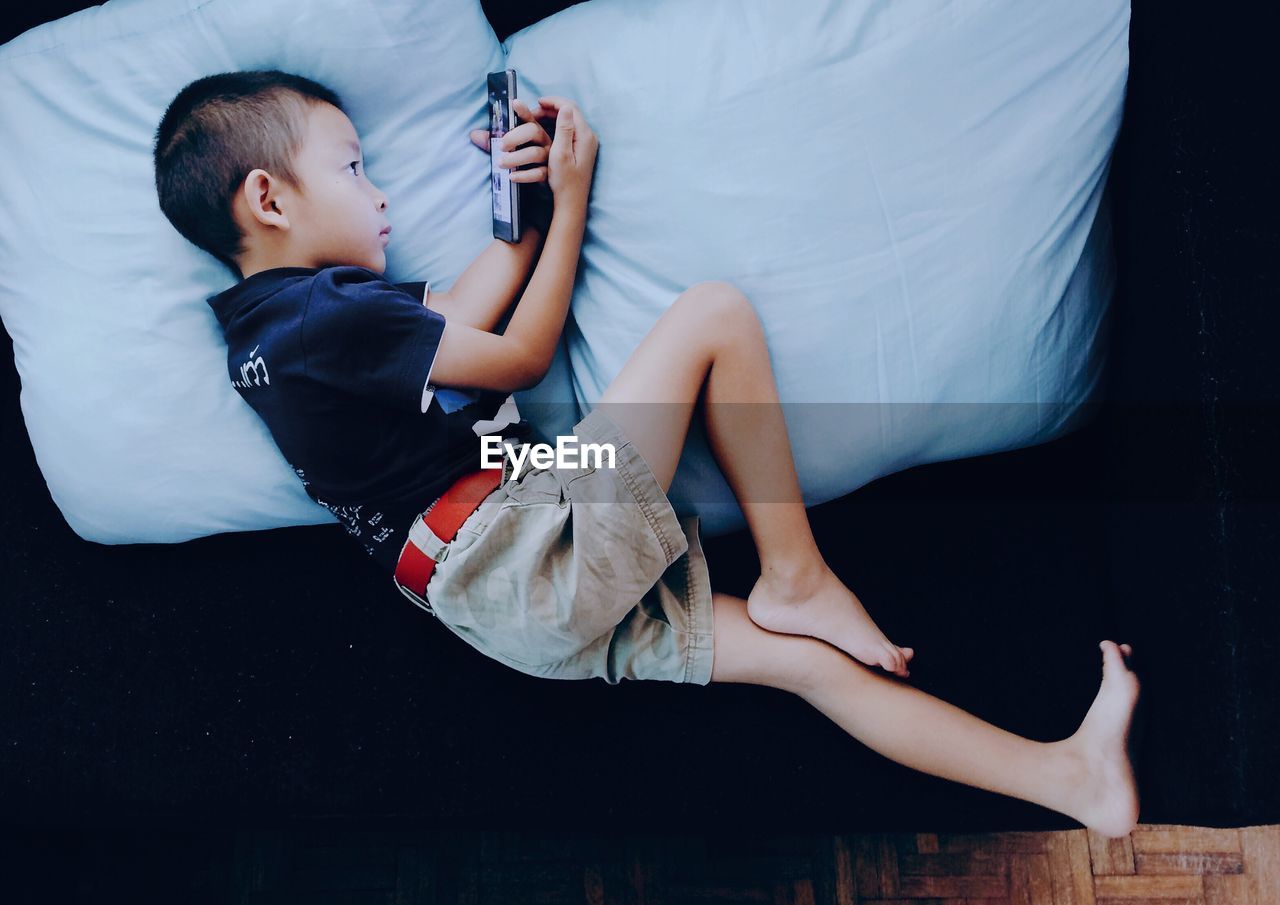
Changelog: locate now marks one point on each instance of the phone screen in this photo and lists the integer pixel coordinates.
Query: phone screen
(501, 175)
(505, 215)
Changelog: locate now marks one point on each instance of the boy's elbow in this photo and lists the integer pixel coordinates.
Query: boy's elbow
(528, 372)
(532, 375)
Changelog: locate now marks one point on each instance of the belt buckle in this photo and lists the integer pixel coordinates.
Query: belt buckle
(431, 544)
(419, 601)
(422, 537)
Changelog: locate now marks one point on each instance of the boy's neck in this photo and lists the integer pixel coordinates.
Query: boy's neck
(247, 270)
(256, 260)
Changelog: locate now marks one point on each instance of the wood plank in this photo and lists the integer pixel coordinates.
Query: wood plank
(911, 887)
(1062, 890)
(1261, 848)
(843, 869)
(867, 866)
(1019, 883)
(953, 864)
(887, 866)
(992, 843)
(1190, 863)
(1148, 887)
(1029, 881)
(1039, 880)
(1187, 839)
(1227, 889)
(1110, 856)
(793, 892)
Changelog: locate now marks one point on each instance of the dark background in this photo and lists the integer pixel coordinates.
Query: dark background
(274, 677)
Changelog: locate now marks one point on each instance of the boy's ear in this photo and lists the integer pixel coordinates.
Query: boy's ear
(259, 193)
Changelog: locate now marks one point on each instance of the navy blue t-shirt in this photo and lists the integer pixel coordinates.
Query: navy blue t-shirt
(337, 362)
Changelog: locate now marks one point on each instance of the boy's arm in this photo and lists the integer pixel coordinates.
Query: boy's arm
(520, 356)
(486, 289)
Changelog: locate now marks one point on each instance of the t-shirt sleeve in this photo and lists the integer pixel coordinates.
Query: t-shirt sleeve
(369, 337)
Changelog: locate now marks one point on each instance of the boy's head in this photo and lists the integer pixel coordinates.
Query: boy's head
(263, 169)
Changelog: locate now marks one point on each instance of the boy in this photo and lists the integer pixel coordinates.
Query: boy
(263, 170)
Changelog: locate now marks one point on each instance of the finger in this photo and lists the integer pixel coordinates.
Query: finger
(512, 159)
(480, 138)
(528, 133)
(567, 120)
(534, 174)
(565, 140)
(524, 111)
(554, 102)
(520, 108)
(577, 122)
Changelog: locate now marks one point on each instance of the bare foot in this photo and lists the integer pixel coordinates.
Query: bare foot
(821, 606)
(1105, 799)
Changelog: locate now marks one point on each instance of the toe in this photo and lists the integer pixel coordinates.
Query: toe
(1112, 661)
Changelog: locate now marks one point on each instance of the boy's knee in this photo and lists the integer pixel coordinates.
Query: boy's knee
(718, 295)
(719, 303)
(814, 670)
(800, 665)
(819, 667)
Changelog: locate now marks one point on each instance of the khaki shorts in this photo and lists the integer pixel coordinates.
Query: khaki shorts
(578, 573)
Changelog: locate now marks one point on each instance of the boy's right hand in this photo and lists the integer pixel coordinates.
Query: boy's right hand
(573, 151)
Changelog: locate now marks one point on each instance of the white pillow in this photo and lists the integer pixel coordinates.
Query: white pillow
(136, 428)
(908, 191)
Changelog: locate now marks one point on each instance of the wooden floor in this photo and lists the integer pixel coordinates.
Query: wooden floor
(1155, 864)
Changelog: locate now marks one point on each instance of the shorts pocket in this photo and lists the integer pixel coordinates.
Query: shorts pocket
(539, 485)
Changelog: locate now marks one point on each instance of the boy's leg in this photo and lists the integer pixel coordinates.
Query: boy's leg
(711, 335)
(1087, 776)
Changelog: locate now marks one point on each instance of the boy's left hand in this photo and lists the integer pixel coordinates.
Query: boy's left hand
(527, 145)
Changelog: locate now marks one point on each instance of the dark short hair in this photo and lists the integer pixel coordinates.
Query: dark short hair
(217, 130)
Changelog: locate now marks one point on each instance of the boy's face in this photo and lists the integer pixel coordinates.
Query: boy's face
(340, 217)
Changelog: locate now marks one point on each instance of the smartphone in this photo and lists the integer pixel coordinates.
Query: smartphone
(506, 195)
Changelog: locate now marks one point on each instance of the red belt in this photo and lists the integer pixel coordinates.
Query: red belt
(443, 519)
